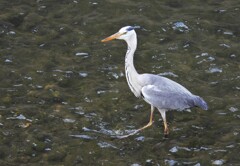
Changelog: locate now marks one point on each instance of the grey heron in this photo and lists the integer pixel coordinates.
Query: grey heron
(160, 92)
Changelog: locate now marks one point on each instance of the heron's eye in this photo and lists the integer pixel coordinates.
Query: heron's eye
(124, 33)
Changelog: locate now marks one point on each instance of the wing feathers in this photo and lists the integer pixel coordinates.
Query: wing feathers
(163, 99)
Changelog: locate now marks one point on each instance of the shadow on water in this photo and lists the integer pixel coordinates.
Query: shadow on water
(63, 93)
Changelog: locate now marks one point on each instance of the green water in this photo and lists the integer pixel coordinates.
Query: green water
(63, 93)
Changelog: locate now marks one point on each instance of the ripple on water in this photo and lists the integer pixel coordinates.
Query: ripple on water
(99, 92)
(228, 33)
(8, 61)
(205, 57)
(19, 117)
(171, 162)
(78, 110)
(83, 74)
(82, 54)
(82, 136)
(68, 120)
(224, 45)
(214, 70)
(141, 138)
(175, 149)
(106, 145)
(168, 74)
(112, 133)
(115, 75)
(11, 33)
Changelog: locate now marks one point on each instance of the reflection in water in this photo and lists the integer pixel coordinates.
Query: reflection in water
(56, 107)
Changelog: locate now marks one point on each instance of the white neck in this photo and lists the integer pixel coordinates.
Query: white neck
(130, 71)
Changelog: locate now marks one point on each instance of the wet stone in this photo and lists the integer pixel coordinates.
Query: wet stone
(218, 162)
(174, 150)
(171, 162)
(149, 162)
(233, 109)
(135, 164)
(180, 27)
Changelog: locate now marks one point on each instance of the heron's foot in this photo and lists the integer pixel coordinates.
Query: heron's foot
(136, 131)
(166, 133)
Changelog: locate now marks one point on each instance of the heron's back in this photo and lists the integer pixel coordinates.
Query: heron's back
(163, 83)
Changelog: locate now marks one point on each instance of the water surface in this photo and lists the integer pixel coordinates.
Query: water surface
(63, 93)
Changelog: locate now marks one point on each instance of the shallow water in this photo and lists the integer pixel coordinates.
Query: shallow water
(63, 93)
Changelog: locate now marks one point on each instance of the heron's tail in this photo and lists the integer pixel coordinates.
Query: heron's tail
(199, 102)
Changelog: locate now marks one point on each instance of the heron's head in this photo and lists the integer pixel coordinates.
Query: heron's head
(124, 33)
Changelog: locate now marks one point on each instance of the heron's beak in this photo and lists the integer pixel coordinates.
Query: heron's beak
(114, 36)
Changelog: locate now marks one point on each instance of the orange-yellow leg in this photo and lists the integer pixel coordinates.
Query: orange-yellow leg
(166, 130)
(163, 114)
(138, 130)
